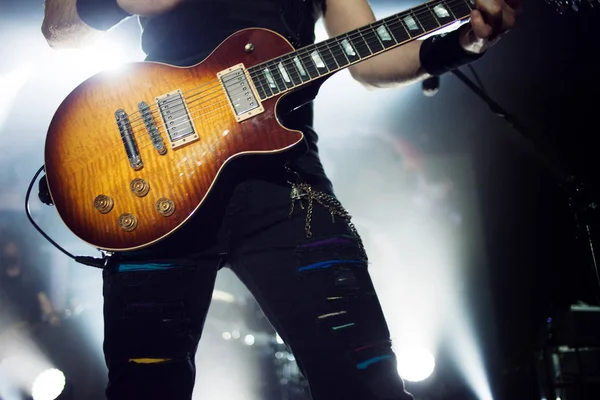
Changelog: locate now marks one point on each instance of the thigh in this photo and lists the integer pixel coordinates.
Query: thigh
(153, 319)
(319, 296)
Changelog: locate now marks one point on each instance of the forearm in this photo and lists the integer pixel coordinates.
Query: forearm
(62, 26)
(404, 65)
(399, 66)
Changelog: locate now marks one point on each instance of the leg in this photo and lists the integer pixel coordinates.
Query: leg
(318, 295)
(153, 321)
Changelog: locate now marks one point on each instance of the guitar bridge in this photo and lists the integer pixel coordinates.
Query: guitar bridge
(241, 92)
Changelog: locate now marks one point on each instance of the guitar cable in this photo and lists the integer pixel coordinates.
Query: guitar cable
(44, 195)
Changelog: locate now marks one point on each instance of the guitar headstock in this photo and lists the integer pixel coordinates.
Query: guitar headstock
(563, 6)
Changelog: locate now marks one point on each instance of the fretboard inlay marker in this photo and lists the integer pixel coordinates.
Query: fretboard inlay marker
(300, 66)
(270, 79)
(383, 33)
(411, 23)
(348, 48)
(441, 11)
(317, 59)
(284, 73)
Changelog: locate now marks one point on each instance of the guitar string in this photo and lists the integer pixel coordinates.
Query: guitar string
(223, 104)
(305, 55)
(277, 80)
(319, 46)
(335, 53)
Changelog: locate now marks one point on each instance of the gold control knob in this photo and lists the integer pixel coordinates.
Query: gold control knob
(139, 187)
(128, 222)
(165, 207)
(103, 203)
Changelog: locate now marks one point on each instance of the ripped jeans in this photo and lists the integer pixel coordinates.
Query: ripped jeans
(316, 292)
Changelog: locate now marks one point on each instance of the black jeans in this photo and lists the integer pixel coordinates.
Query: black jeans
(316, 293)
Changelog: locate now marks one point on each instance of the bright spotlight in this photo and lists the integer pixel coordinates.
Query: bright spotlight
(249, 340)
(226, 335)
(48, 385)
(415, 364)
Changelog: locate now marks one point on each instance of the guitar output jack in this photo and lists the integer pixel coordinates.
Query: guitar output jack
(165, 207)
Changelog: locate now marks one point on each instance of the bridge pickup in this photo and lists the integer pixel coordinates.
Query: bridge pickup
(151, 127)
(176, 118)
(241, 92)
(133, 154)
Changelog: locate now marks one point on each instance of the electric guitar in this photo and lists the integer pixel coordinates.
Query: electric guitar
(131, 156)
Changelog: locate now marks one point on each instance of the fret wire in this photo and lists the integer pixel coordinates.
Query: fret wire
(339, 46)
(332, 54)
(395, 25)
(387, 28)
(432, 12)
(291, 84)
(309, 64)
(365, 40)
(266, 81)
(334, 58)
(429, 24)
(305, 69)
(360, 45)
(278, 77)
(259, 88)
(401, 21)
(256, 78)
(419, 22)
(315, 49)
(321, 48)
(294, 70)
(449, 9)
(273, 77)
(372, 29)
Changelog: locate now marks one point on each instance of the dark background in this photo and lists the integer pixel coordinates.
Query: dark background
(545, 73)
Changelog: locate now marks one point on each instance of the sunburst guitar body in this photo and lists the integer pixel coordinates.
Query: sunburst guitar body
(131, 155)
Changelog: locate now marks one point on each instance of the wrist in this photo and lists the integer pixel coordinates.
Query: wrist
(443, 53)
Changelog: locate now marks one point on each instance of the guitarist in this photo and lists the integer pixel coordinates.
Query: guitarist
(279, 228)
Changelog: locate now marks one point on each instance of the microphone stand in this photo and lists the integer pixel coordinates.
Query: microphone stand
(582, 197)
(582, 203)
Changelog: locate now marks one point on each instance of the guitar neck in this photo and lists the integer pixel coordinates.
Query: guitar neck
(301, 67)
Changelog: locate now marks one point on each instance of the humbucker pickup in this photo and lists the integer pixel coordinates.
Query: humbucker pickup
(240, 92)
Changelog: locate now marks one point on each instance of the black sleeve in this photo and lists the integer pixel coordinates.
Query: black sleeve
(101, 14)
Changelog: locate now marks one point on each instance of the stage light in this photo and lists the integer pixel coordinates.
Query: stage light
(226, 335)
(415, 364)
(48, 385)
(249, 340)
